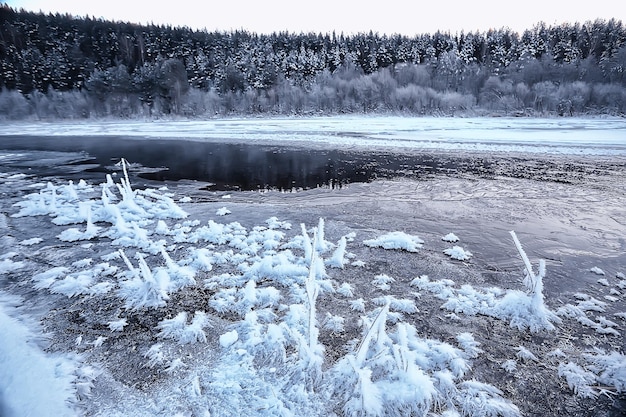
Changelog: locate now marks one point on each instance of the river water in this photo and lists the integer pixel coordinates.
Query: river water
(227, 166)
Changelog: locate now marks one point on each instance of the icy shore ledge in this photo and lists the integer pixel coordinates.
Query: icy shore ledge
(594, 136)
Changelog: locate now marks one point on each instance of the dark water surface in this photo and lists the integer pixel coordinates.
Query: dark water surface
(236, 166)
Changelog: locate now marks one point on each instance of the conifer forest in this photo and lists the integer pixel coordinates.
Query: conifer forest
(55, 66)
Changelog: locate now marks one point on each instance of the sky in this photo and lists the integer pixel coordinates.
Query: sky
(407, 17)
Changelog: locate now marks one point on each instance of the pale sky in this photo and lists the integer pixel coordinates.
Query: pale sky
(407, 17)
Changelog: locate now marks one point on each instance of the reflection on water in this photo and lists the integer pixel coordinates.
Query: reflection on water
(237, 166)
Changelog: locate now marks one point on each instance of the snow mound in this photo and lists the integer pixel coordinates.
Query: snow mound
(228, 338)
(458, 253)
(450, 237)
(597, 271)
(396, 240)
(223, 211)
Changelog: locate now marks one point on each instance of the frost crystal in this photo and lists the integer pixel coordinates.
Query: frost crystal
(525, 354)
(510, 366)
(117, 325)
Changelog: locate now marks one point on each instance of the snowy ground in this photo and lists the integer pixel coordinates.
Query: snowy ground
(385, 298)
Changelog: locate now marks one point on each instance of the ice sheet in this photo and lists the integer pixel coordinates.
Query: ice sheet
(598, 136)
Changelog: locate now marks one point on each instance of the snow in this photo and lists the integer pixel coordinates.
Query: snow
(450, 237)
(578, 379)
(522, 310)
(359, 305)
(458, 253)
(600, 136)
(7, 266)
(382, 282)
(396, 240)
(222, 211)
(33, 383)
(118, 325)
(525, 355)
(178, 329)
(229, 338)
(509, 365)
(30, 242)
(597, 271)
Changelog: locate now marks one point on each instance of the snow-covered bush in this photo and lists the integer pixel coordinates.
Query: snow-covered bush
(155, 355)
(242, 300)
(266, 288)
(578, 379)
(529, 311)
(313, 356)
(587, 304)
(509, 365)
(610, 368)
(334, 323)
(346, 289)
(90, 232)
(358, 305)
(479, 399)
(117, 325)
(469, 345)
(525, 354)
(382, 282)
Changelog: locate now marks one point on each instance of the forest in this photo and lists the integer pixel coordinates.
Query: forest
(58, 66)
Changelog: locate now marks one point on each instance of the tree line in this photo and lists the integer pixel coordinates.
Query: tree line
(60, 66)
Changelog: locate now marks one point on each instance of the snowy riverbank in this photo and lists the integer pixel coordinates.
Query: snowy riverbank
(175, 301)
